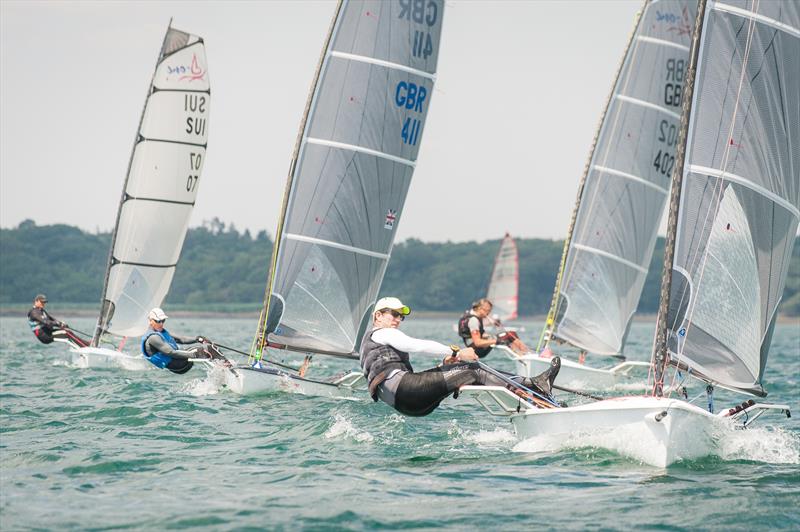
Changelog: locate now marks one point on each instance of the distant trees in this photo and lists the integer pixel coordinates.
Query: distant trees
(219, 265)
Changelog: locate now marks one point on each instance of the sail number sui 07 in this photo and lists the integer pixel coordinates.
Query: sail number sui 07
(407, 94)
(667, 130)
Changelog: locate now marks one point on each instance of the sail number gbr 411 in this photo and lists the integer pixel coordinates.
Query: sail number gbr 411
(423, 14)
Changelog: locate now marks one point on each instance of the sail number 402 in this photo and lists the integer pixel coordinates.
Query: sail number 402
(195, 162)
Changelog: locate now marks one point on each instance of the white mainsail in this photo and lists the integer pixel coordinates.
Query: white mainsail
(349, 177)
(740, 193)
(625, 187)
(160, 187)
(504, 282)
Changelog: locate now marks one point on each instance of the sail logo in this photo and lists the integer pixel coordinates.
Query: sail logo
(391, 218)
(679, 24)
(191, 72)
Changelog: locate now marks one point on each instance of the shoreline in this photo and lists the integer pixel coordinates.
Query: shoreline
(89, 310)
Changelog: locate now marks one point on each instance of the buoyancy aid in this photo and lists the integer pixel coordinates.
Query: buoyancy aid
(378, 361)
(37, 321)
(463, 326)
(464, 333)
(158, 358)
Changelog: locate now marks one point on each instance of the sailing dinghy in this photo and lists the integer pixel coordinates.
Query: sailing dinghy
(621, 199)
(733, 218)
(348, 179)
(504, 282)
(157, 199)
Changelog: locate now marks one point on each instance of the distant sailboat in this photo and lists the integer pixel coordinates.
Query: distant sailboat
(157, 199)
(734, 214)
(504, 282)
(348, 180)
(620, 202)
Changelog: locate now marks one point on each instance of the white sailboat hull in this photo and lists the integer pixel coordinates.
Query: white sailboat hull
(655, 431)
(245, 380)
(580, 376)
(101, 357)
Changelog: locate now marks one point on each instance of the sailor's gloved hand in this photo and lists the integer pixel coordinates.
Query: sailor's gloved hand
(63, 325)
(201, 339)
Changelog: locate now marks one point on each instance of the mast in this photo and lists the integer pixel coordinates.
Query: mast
(105, 310)
(547, 332)
(260, 340)
(660, 354)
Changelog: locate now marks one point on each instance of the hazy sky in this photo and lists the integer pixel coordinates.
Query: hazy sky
(520, 89)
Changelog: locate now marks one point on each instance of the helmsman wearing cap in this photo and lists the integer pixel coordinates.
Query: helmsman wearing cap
(47, 328)
(391, 378)
(161, 348)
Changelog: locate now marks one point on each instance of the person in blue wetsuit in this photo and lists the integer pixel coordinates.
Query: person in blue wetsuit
(161, 348)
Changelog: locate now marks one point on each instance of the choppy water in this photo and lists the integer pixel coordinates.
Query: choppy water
(94, 449)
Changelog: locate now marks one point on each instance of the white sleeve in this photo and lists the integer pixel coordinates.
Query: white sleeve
(400, 340)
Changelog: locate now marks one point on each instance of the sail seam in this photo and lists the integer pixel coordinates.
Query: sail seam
(381, 62)
(662, 42)
(632, 177)
(746, 13)
(610, 256)
(337, 245)
(642, 103)
(714, 172)
(360, 149)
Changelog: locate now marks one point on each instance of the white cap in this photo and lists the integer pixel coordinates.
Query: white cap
(392, 303)
(157, 314)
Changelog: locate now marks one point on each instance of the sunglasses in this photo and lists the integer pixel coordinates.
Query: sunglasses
(159, 321)
(396, 314)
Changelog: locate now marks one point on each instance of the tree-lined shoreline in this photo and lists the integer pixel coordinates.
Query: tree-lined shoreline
(223, 271)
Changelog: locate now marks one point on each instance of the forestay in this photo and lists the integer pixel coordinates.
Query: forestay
(740, 200)
(348, 183)
(504, 283)
(626, 184)
(160, 187)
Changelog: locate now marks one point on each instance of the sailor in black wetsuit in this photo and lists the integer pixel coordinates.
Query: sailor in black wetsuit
(47, 329)
(385, 361)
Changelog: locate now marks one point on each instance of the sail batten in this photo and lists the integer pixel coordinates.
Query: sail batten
(387, 64)
(360, 251)
(716, 172)
(645, 182)
(663, 42)
(611, 256)
(360, 149)
(642, 103)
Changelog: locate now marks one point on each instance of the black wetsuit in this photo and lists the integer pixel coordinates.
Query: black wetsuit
(419, 394)
(42, 324)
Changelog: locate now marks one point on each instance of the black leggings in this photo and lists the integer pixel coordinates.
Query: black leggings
(418, 394)
(180, 365)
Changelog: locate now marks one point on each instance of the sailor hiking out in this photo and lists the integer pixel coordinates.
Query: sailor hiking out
(161, 348)
(391, 378)
(48, 329)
